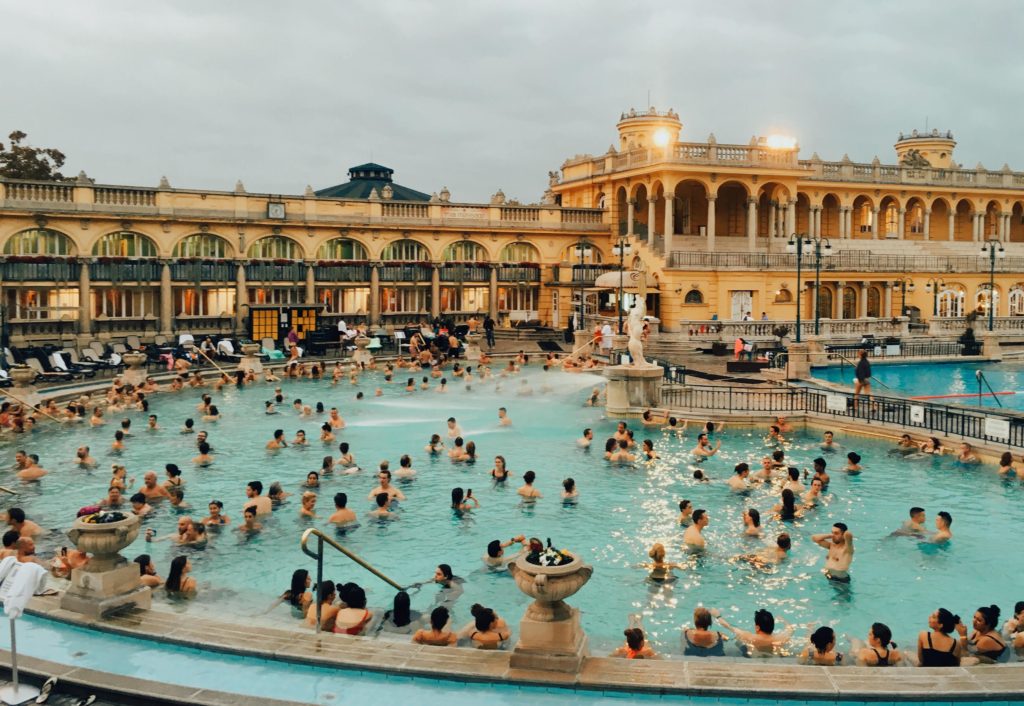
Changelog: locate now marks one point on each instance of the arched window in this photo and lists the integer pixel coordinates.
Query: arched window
(405, 250)
(693, 297)
(206, 246)
(891, 220)
(1016, 300)
(874, 302)
(783, 296)
(824, 302)
(38, 241)
(125, 244)
(465, 251)
(342, 249)
(951, 301)
(982, 299)
(849, 303)
(275, 247)
(582, 254)
(520, 252)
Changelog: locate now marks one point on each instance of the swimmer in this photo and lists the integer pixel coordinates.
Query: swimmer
(463, 501)
(820, 474)
(774, 436)
(904, 447)
(620, 432)
(751, 523)
(435, 446)
(188, 427)
(685, 513)
(312, 480)
(700, 476)
(341, 515)
(335, 420)
(813, 495)
(932, 446)
(584, 441)
(673, 426)
(139, 505)
(649, 453)
(703, 449)
(763, 641)
(526, 491)
(495, 556)
(300, 438)
(1005, 465)
(216, 518)
(793, 483)
(384, 487)
(765, 472)
(828, 442)
(649, 420)
(661, 570)
(405, 470)
(114, 499)
(784, 426)
(966, 455)
(693, 537)
(382, 512)
(255, 498)
(308, 508)
(592, 401)
(278, 441)
(326, 434)
(268, 408)
(943, 521)
(204, 458)
(118, 445)
(458, 452)
(787, 509)
(150, 489)
(346, 460)
(570, 495)
(622, 454)
(839, 544)
(503, 418)
(853, 467)
(249, 523)
(778, 459)
(33, 472)
(739, 483)
(914, 526)
(500, 473)
(82, 457)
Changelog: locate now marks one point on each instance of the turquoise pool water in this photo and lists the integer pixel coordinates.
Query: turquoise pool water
(622, 511)
(916, 379)
(308, 684)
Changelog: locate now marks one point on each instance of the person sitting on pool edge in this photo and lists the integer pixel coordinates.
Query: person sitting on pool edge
(763, 642)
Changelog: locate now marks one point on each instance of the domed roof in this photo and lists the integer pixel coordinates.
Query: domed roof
(364, 178)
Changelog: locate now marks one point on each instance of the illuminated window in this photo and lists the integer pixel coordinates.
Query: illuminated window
(38, 241)
(517, 299)
(342, 249)
(275, 247)
(344, 300)
(405, 250)
(519, 252)
(465, 251)
(42, 303)
(276, 295)
(204, 302)
(120, 303)
(124, 244)
(394, 300)
(202, 245)
(465, 299)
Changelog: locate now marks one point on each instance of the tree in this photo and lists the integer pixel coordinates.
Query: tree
(24, 162)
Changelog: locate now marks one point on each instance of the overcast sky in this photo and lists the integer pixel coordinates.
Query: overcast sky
(478, 95)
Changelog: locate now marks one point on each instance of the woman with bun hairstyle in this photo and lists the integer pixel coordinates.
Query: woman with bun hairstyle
(936, 647)
(985, 643)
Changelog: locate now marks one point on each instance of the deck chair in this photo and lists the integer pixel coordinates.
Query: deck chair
(186, 340)
(374, 344)
(134, 342)
(70, 354)
(100, 349)
(160, 340)
(34, 363)
(119, 348)
(61, 364)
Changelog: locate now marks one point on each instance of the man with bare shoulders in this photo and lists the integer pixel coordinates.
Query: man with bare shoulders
(256, 499)
(384, 486)
(839, 544)
(342, 515)
(17, 521)
(151, 489)
(693, 538)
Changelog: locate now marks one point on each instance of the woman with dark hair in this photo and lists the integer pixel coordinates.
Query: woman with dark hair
(353, 618)
(436, 635)
(463, 500)
(326, 593)
(787, 509)
(297, 595)
(636, 646)
(822, 650)
(752, 522)
(178, 581)
(489, 629)
(880, 650)
(936, 647)
(174, 479)
(611, 446)
(401, 619)
(499, 473)
(147, 571)
(985, 642)
(763, 641)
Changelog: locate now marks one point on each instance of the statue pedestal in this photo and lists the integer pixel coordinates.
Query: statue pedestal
(251, 358)
(798, 365)
(24, 378)
(990, 347)
(552, 646)
(582, 342)
(108, 582)
(473, 346)
(134, 373)
(632, 388)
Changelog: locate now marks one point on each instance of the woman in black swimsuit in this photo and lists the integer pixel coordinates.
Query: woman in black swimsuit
(985, 642)
(937, 648)
(881, 650)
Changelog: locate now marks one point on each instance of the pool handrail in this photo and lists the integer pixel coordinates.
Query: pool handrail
(980, 375)
(319, 556)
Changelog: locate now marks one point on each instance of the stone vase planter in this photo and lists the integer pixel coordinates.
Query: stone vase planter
(251, 349)
(135, 364)
(361, 354)
(549, 586)
(251, 359)
(104, 541)
(22, 375)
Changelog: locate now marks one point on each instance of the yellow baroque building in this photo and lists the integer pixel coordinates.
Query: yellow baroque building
(712, 223)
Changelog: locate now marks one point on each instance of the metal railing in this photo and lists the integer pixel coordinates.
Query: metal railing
(913, 349)
(978, 424)
(318, 554)
(843, 261)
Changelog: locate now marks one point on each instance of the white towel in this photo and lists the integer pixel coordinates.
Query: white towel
(21, 582)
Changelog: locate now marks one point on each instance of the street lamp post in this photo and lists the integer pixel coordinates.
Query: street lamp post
(822, 247)
(933, 285)
(622, 248)
(993, 249)
(906, 285)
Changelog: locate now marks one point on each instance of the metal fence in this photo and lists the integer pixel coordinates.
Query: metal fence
(912, 349)
(1005, 428)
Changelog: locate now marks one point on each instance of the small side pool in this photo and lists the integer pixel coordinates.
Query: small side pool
(952, 383)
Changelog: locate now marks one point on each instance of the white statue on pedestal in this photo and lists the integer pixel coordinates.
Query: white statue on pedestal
(636, 320)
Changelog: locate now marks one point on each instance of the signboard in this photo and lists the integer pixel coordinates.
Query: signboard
(467, 212)
(835, 403)
(893, 349)
(916, 414)
(997, 428)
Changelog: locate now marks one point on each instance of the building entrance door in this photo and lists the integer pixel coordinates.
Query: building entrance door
(742, 301)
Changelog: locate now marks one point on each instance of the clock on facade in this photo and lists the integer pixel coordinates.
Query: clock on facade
(275, 210)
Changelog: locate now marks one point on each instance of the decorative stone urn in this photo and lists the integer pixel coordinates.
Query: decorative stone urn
(473, 346)
(251, 358)
(108, 582)
(361, 355)
(135, 371)
(23, 376)
(550, 636)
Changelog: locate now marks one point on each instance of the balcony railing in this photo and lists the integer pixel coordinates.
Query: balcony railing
(125, 197)
(958, 324)
(129, 271)
(60, 271)
(405, 273)
(275, 272)
(458, 272)
(342, 273)
(519, 274)
(586, 274)
(729, 331)
(40, 192)
(224, 271)
(842, 261)
(872, 173)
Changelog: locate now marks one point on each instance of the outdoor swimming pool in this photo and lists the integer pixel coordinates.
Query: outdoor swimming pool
(623, 510)
(920, 379)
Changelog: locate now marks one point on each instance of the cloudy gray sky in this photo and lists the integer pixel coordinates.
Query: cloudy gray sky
(479, 95)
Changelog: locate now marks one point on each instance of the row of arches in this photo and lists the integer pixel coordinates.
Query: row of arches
(45, 241)
(866, 299)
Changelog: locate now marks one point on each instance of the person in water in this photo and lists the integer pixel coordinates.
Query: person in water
(839, 544)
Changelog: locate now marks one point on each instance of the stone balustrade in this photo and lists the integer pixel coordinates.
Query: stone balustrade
(729, 331)
(842, 261)
(956, 325)
(877, 173)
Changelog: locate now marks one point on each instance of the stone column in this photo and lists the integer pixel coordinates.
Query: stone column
(840, 313)
(817, 222)
(790, 219)
(976, 227)
(651, 216)
(849, 223)
(166, 300)
(887, 304)
(84, 299)
(751, 225)
(375, 294)
(810, 222)
(773, 218)
(492, 294)
(435, 291)
(842, 223)
(241, 297)
(310, 285)
(630, 212)
(670, 220)
(952, 224)
(711, 223)
(927, 224)
(864, 300)
(1002, 228)
(901, 223)
(874, 223)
